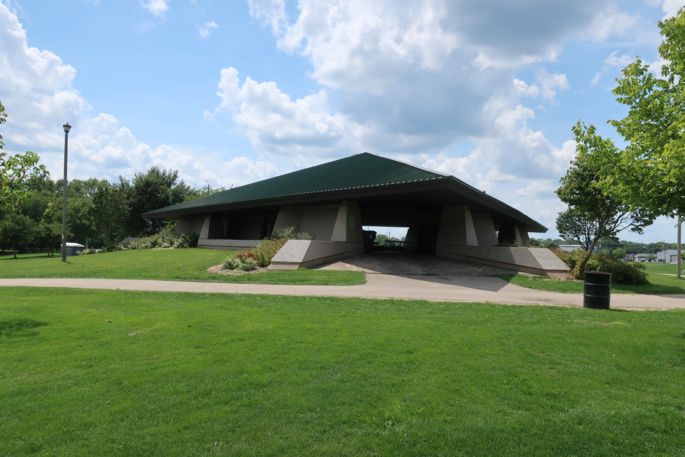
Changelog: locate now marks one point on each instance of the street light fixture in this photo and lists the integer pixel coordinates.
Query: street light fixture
(66, 127)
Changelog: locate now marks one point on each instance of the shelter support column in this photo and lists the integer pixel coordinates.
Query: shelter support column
(456, 228)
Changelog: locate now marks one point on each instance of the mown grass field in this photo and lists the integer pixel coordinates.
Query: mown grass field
(661, 277)
(111, 373)
(167, 264)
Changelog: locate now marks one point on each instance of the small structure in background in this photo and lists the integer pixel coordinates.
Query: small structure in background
(569, 247)
(73, 249)
(667, 256)
(644, 257)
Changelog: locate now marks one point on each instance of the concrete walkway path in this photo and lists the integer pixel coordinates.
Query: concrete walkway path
(432, 288)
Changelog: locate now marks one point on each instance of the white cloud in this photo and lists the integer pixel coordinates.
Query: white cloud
(205, 29)
(610, 23)
(546, 86)
(269, 12)
(37, 89)
(275, 123)
(422, 80)
(413, 77)
(612, 62)
(669, 7)
(157, 8)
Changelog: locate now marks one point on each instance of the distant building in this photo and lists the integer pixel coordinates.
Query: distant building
(667, 256)
(644, 257)
(569, 247)
(74, 248)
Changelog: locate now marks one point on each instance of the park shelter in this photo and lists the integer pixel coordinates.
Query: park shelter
(445, 216)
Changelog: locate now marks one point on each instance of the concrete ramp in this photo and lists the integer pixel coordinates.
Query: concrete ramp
(404, 264)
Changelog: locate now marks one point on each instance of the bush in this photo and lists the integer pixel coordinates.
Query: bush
(92, 251)
(261, 255)
(232, 263)
(240, 262)
(266, 250)
(621, 272)
(166, 238)
(288, 233)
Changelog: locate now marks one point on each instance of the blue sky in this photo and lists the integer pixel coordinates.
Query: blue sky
(232, 92)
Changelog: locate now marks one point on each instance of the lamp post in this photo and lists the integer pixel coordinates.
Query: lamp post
(67, 127)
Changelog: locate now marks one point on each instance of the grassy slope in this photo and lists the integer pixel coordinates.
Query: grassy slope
(660, 283)
(179, 264)
(111, 373)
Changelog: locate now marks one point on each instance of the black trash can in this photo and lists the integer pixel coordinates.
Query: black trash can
(597, 292)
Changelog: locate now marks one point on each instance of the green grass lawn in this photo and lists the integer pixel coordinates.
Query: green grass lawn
(112, 373)
(660, 277)
(173, 264)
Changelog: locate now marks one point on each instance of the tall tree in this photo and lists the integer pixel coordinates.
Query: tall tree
(652, 171)
(151, 190)
(111, 211)
(592, 213)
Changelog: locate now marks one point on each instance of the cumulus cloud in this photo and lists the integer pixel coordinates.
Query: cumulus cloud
(613, 61)
(545, 87)
(669, 7)
(205, 29)
(420, 81)
(417, 77)
(275, 123)
(157, 8)
(37, 89)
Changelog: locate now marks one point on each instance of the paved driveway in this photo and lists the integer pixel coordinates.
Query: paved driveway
(431, 288)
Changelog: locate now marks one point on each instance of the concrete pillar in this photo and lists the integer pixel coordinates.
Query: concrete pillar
(348, 223)
(456, 227)
(522, 238)
(204, 231)
(485, 229)
(287, 217)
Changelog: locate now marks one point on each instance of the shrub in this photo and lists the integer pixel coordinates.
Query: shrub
(262, 254)
(266, 250)
(248, 264)
(88, 251)
(232, 263)
(166, 238)
(288, 233)
(238, 262)
(621, 272)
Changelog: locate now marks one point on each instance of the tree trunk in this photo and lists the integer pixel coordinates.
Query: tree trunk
(586, 258)
(14, 249)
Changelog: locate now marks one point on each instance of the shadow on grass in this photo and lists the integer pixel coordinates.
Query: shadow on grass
(19, 327)
(26, 257)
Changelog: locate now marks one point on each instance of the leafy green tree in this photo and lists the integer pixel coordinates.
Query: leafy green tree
(16, 172)
(15, 231)
(652, 171)
(618, 253)
(152, 190)
(48, 233)
(592, 213)
(111, 211)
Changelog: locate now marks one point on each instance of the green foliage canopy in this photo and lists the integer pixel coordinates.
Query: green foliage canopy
(592, 213)
(651, 174)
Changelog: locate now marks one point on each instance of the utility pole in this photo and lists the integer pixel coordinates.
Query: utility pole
(67, 127)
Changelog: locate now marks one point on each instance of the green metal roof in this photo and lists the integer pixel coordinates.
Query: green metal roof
(358, 172)
(355, 172)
